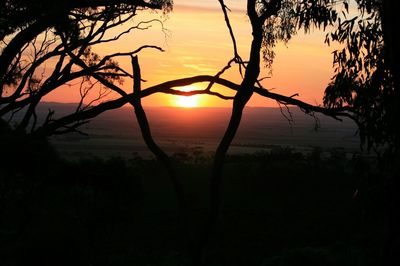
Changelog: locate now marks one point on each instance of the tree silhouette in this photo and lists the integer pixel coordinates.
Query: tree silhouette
(367, 78)
(68, 31)
(27, 19)
(362, 88)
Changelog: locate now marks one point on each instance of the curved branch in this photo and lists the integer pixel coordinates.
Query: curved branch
(167, 87)
(16, 44)
(332, 112)
(108, 57)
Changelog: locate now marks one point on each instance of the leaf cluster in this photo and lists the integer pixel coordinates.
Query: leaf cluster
(362, 78)
(292, 16)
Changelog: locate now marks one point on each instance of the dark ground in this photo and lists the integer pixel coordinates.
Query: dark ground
(280, 207)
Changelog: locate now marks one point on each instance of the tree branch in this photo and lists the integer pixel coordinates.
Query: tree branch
(166, 87)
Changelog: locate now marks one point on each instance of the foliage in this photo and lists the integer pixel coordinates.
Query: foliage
(363, 80)
(19, 14)
(292, 16)
(362, 77)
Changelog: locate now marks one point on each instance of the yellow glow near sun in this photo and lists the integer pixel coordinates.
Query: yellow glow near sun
(187, 101)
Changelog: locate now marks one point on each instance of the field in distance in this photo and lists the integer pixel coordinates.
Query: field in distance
(116, 133)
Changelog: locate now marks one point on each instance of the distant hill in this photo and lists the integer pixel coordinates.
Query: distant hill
(116, 133)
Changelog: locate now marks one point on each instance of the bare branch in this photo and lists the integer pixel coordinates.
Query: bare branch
(222, 71)
(72, 128)
(224, 8)
(288, 116)
(307, 108)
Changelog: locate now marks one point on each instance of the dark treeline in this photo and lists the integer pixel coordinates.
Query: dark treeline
(309, 210)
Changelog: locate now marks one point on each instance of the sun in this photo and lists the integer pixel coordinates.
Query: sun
(187, 101)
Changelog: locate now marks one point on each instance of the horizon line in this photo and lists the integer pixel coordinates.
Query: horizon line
(169, 106)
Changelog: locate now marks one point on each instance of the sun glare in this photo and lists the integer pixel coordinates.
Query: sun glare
(187, 101)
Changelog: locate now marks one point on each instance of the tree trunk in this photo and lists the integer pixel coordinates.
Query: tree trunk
(391, 253)
(158, 152)
(242, 96)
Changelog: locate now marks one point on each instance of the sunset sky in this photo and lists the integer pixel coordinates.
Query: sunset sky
(197, 42)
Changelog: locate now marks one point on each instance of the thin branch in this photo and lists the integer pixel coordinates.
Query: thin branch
(307, 108)
(288, 117)
(71, 129)
(222, 71)
(228, 24)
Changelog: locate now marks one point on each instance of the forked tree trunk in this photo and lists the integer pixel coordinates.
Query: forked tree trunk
(242, 96)
(161, 156)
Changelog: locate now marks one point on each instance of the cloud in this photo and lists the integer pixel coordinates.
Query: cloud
(200, 67)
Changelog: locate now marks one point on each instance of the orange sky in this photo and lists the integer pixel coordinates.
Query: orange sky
(198, 43)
